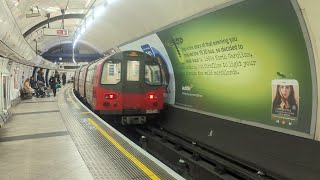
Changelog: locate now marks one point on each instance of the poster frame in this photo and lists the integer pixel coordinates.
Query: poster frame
(311, 59)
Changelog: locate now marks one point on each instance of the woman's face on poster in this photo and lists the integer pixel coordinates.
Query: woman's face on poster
(284, 91)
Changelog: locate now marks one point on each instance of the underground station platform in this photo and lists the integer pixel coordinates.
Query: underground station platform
(59, 138)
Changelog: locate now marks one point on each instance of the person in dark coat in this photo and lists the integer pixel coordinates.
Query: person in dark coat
(40, 77)
(64, 77)
(32, 82)
(52, 82)
(34, 86)
(57, 76)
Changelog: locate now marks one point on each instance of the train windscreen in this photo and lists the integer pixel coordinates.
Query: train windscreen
(133, 69)
(111, 73)
(152, 74)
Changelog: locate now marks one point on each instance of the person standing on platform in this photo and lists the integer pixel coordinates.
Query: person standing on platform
(34, 86)
(64, 77)
(32, 82)
(53, 83)
(40, 77)
(57, 76)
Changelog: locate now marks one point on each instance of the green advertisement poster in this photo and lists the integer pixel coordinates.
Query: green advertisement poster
(246, 62)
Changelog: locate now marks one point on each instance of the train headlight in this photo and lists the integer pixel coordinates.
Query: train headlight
(110, 96)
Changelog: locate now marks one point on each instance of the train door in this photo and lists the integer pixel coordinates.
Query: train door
(132, 85)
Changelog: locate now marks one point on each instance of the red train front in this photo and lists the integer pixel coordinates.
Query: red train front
(128, 83)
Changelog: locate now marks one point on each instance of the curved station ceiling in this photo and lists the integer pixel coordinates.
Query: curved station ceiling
(94, 26)
(35, 17)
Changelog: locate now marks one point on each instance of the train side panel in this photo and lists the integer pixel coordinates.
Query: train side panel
(91, 75)
(92, 92)
(82, 76)
(76, 81)
(74, 78)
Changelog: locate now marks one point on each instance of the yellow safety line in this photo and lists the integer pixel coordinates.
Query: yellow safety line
(76, 105)
(84, 112)
(125, 152)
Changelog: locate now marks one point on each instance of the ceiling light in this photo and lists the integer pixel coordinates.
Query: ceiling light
(98, 11)
(82, 29)
(87, 4)
(106, 2)
(74, 61)
(33, 15)
(89, 22)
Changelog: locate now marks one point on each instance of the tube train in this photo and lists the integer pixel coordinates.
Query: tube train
(128, 84)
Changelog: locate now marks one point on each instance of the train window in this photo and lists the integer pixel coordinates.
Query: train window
(152, 74)
(133, 68)
(111, 73)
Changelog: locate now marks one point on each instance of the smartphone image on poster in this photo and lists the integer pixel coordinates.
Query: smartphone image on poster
(285, 101)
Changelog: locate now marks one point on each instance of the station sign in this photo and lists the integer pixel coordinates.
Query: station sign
(55, 32)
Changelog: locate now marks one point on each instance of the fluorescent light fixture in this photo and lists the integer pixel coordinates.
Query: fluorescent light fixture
(83, 29)
(33, 15)
(74, 61)
(106, 2)
(98, 11)
(112, 1)
(89, 22)
(76, 40)
(87, 4)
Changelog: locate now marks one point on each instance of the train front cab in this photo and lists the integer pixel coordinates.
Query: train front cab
(130, 85)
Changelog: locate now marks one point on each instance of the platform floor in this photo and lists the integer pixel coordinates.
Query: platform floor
(57, 138)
